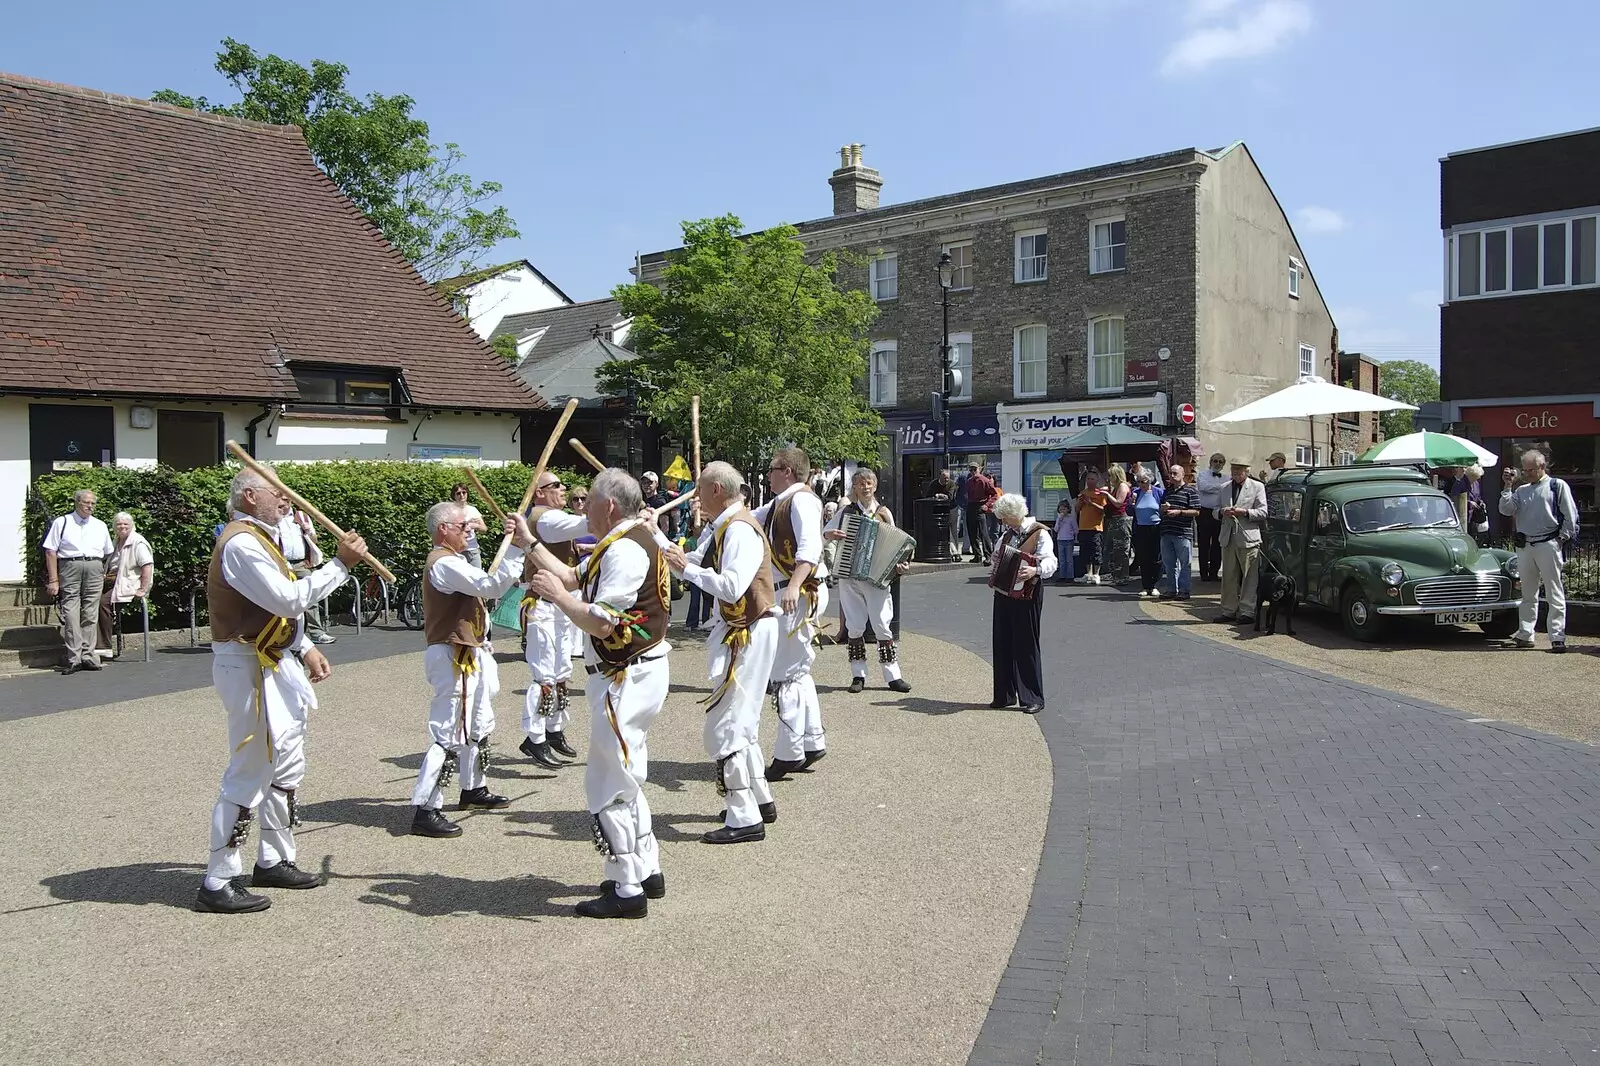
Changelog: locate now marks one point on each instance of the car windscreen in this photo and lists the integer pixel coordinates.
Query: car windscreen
(1379, 514)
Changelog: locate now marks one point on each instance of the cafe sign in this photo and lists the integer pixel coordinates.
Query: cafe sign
(1534, 420)
(1047, 426)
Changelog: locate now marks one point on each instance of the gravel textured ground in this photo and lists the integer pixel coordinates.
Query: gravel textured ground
(871, 926)
(1455, 666)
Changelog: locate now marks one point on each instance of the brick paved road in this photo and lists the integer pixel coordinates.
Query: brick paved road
(1252, 863)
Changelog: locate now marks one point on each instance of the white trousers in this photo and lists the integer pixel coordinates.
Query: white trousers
(457, 729)
(733, 722)
(620, 714)
(799, 713)
(1540, 566)
(864, 603)
(550, 664)
(257, 777)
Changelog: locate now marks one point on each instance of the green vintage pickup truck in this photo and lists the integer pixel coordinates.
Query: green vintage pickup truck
(1379, 543)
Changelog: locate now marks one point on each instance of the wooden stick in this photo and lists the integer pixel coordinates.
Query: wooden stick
(694, 419)
(533, 482)
(472, 476)
(676, 501)
(585, 454)
(301, 502)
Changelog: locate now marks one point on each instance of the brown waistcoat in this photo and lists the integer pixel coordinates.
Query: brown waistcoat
(234, 616)
(450, 617)
(781, 534)
(761, 595)
(652, 606)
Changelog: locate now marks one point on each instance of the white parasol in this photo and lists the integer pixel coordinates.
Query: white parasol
(1312, 396)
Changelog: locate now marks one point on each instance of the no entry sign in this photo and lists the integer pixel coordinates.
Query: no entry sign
(1186, 414)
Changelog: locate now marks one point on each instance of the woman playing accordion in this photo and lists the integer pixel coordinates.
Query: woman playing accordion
(1023, 557)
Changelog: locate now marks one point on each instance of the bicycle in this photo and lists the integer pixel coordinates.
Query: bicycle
(410, 602)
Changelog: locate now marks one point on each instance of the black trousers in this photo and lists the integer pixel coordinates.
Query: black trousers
(1210, 549)
(1018, 673)
(979, 541)
(1147, 549)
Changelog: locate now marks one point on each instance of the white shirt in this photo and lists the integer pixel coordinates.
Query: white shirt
(556, 526)
(473, 515)
(740, 559)
(452, 573)
(293, 539)
(1530, 504)
(71, 537)
(251, 571)
(623, 568)
(806, 516)
(1046, 549)
(1210, 487)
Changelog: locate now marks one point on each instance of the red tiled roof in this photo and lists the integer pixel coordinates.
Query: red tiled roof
(152, 250)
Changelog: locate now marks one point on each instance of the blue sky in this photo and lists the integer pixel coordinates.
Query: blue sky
(610, 122)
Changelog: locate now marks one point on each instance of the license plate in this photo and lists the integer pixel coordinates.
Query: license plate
(1462, 618)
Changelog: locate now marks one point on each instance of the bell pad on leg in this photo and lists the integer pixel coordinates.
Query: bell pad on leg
(858, 649)
(888, 651)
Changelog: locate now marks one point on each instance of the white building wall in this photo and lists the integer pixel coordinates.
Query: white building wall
(515, 292)
(277, 440)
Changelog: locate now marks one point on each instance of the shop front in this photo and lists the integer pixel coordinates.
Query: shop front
(1033, 439)
(1566, 429)
(915, 444)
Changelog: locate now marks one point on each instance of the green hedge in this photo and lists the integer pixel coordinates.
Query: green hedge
(178, 512)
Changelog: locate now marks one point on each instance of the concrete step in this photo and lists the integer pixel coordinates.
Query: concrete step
(36, 615)
(17, 594)
(39, 636)
(17, 660)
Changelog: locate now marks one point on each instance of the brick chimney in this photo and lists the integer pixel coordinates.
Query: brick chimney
(855, 187)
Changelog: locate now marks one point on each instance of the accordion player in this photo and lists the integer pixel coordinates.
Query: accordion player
(1018, 604)
(871, 551)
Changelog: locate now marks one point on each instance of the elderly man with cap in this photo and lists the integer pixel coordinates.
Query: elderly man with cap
(1244, 508)
(1275, 464)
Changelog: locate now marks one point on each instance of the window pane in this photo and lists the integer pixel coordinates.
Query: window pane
(1468, 264)
(1555, 253)
(1525, 258)
(1494, 261)
(1119, 231)
(1583, 240)
(315, 388)
(1119, 256)
(373, 392)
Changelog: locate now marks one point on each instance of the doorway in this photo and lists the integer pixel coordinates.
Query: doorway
(69, 436)
(188, 440)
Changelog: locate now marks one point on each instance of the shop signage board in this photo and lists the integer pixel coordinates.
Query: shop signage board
(1534, 420)
(1050, 426)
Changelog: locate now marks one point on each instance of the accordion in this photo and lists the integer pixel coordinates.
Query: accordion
(1008, 559)
(871, 551)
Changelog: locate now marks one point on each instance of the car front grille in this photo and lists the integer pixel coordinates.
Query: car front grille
(1461, 591)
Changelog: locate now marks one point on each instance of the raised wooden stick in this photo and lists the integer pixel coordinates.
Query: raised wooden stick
(676, 501)
(472, 476)
(585, 454)
(305, 505)
(533, 482)
(694, 420)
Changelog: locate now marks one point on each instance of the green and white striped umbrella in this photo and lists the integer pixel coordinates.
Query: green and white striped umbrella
(1434, 449)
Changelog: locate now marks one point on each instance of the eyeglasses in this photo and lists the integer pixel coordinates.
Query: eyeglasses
(552, 485)
(580, 500)
(775, 469)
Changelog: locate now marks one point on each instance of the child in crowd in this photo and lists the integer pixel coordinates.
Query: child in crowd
(1066, 537)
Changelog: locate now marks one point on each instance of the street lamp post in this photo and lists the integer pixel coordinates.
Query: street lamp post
(946, 367)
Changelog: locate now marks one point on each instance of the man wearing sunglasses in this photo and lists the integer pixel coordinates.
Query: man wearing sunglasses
(549, 634)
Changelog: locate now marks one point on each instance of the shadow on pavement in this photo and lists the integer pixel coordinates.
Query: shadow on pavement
(923, 705)
(438, 895)
(674, 776)
(564, 824)
(139, 884)
(367, 812)
(667, 826)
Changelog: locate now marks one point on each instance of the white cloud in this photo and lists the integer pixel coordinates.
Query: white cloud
(1263, 29)
(1201, 10)
(1321, 220)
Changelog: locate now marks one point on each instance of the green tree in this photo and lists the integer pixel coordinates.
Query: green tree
(1410, 382)
(767, 339)
(375, 150)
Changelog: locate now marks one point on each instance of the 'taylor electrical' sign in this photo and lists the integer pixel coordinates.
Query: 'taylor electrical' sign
(1046, 426)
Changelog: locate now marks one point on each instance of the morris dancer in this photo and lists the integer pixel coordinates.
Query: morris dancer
(263, 665)
(792, 521)
(460, 665)
(863, 600)
(547, 632)
(624, 609)
(734, 564)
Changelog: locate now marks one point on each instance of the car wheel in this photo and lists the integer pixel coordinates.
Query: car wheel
(1361, 619)
(1501, 626)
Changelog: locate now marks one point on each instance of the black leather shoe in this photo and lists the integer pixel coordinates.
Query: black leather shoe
(655, 886)
(229, 899)
(1032, 708)
(482, 797)
(814, 756)
(769, 812)
(725, 835)
(540, 753)
(430, 823)
(782, 768)
(857, 684)
(558, 744)
(899, 684)
(611, 905)
(284, 875)
(91, 663)
(996, 705)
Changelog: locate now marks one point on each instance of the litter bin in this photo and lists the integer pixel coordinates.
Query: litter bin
(933, 530)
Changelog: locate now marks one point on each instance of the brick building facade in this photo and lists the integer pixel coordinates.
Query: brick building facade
(1355, 433)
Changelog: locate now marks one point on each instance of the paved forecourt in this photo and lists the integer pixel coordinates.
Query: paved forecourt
(870, 927)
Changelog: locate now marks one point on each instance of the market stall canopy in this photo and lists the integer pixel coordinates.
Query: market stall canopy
(1312, 396)
(1117, 436)
(1434, 449)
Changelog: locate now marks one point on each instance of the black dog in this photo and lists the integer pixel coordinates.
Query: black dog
(1275, 599)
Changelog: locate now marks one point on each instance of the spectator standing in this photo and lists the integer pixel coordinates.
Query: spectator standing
(1179, 508)
(1243, 511)
(980, 500)
(1091, 521)
(960, 516)
(1210, 485)
(297, 539)
(475, 525)
(1275, 464)
(129, 572)
(75, 552)
(1119, 525)
(1546, 521)
(1066, 537)
(1147, 532)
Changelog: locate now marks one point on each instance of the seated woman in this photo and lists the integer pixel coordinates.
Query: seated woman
(1024, 557)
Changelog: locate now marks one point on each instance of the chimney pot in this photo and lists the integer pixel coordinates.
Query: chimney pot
(855, 186)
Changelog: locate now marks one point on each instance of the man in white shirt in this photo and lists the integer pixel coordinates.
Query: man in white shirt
(299, 540)
(1210, 483)
(624, 608)
(793, 523)
(863, 601)
(1546, 517)
(263, 667)
(473, 553)
(734, 565)
(547, 632)
(75, 552)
